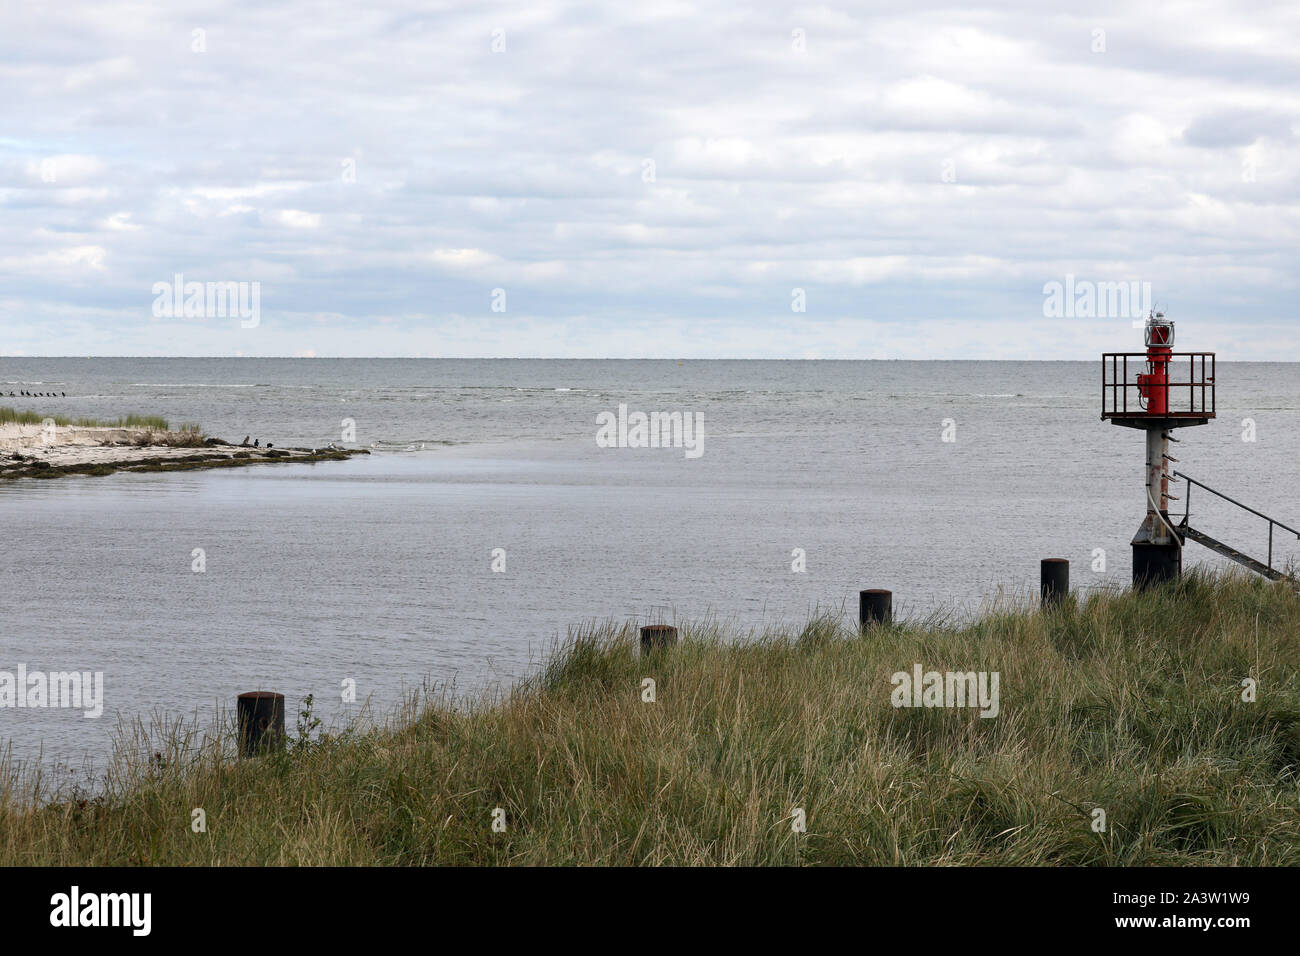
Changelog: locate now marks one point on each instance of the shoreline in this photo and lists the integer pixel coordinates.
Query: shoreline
(1129, 703)
(37, 451)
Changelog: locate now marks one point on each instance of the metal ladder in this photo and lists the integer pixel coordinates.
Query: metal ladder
(1200, 537)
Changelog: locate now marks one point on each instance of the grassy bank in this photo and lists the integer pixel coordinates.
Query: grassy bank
(11, 416)
(1124, 703)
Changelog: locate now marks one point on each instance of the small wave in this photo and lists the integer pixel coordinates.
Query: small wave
(536, 388)
(417, 445)
(193, 385)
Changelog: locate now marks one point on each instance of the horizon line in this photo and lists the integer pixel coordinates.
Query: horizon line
(541, 358)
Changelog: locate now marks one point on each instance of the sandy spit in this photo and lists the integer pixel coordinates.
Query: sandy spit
(23, 446)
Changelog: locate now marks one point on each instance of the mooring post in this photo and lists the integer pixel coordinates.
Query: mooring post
(875, 606)
(657, 636)
(1054, 581)
(261, 722)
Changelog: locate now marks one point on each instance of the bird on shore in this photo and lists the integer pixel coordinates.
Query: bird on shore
(244, 443)
(269, 445)
(257, 443)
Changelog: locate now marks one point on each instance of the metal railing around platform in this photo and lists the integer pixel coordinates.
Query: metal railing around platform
(1189, 397)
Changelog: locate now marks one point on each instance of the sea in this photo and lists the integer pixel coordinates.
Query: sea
(497, 512)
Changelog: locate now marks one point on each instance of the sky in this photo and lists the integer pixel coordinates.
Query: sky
(661, 180)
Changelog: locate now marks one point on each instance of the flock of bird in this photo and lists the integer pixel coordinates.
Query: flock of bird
(257, 443)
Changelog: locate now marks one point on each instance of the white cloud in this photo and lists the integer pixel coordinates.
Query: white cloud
(65, 169)
(929, 166)
(121, 222)
(99, 72)
(58, 264)
(297, 219)
(462, 259)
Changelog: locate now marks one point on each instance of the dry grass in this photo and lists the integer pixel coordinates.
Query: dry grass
(1127, 703)
(10, 416)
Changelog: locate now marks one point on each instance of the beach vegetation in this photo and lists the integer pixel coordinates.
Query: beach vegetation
(779, 747)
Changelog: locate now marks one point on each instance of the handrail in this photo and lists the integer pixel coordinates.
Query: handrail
(1118, 378)
(1187, 511)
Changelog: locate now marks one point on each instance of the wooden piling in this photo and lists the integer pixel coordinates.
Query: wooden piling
(261, 722)
(1054, 581)
(657, 636)
(875, 606)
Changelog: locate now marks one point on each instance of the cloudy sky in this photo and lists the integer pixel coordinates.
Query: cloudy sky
(654, 179)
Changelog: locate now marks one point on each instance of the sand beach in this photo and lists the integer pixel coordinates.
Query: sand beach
(46, 451)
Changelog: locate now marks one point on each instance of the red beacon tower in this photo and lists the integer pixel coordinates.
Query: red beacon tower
(1157, 391)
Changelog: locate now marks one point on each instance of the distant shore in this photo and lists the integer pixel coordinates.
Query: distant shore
(54, 451)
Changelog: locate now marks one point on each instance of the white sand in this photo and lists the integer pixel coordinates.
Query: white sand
(81, 446)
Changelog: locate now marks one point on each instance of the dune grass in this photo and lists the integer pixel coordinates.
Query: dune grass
(1127, 703)
(11, 416)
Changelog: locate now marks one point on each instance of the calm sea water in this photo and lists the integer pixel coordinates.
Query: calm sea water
(378, 570)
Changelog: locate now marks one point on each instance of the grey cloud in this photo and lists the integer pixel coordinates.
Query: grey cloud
(1239, 128)
(772, 168)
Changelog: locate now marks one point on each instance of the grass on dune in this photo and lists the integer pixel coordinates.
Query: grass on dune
(10, 416)
(1127, 703)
